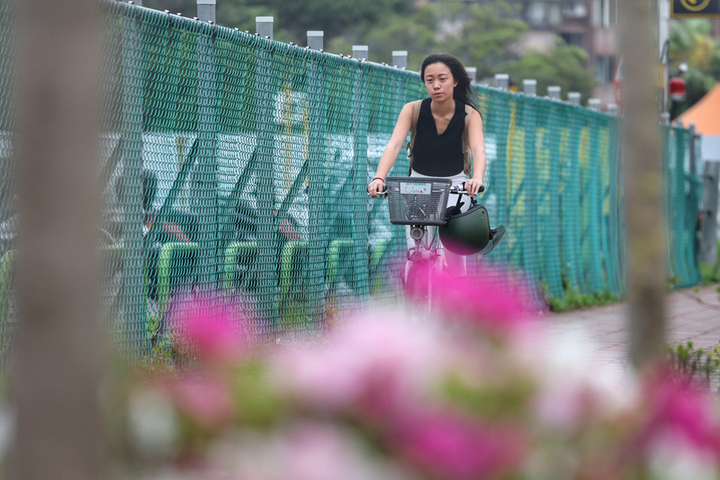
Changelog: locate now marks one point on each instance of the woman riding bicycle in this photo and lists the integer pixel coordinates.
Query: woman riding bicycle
(438, 146)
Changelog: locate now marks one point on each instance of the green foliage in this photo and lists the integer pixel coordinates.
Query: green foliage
(695, 364)
(486, 32)
(237, 14)
(335, 17)
(565, 66)
(574, 299)
(710, 273)
(414, 33)
(187, 7)
(685, 35)
(692, 45)
(481, 35)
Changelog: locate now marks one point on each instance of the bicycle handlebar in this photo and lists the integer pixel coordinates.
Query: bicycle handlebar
(458, 189)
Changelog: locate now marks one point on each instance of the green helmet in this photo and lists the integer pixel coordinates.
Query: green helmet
(467, 233)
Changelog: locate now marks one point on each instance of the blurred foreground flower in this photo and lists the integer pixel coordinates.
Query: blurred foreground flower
(209, 327)
(471, 393)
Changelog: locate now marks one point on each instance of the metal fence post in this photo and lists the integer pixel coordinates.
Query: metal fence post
(360, 177)
(205, 178)
(502, 80)
(530, 87)
(318, 230)
(360, 52)
(133, 315)
(709, 239)
(400, 58)
(692, 152)
(264, 26)
(612, 109)
(554, 92)
(574, 98)
(315, 39)
(594, 104)
(206, 10)
(267, 233)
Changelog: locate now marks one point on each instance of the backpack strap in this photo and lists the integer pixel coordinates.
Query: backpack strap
(467, 154)
(413, 131)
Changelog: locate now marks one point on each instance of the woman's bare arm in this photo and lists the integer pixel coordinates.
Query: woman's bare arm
(392, 150)
(477, 147)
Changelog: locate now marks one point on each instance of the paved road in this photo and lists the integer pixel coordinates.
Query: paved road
(693, 316)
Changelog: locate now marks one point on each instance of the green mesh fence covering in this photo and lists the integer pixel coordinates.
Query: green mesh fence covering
(234, 170)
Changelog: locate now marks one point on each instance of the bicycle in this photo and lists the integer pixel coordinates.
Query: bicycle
(421, 203)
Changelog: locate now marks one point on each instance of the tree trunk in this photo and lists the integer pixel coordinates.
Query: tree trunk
(646, 244)
(58, 364)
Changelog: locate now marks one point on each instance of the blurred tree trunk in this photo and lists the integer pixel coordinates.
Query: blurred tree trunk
(646, 244)
(58, 364)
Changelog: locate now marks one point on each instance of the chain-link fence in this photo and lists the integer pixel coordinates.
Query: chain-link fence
(235, 167)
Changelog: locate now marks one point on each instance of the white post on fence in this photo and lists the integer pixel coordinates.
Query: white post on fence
(554, 92)
(206, 10)
(360, 52)
(530, 87)
(594, 104)
(315, 39)
(399, 58)
(502, 80)
(574, 98)
(264, 26)
(472, 71)
(612, 109)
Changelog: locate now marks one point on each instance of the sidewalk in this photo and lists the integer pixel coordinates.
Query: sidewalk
(689, 320)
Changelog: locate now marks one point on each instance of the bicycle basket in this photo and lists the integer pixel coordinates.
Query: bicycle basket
(417, 201)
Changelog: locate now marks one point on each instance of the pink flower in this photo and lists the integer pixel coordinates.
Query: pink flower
(374, 364)
(449, 447)
(685, 410)
(206, 400)
(210, 327)
(492, 301)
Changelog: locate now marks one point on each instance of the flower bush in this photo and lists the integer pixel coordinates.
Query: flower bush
(475, 392)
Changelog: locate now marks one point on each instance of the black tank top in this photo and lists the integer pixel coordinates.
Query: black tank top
(439, 155)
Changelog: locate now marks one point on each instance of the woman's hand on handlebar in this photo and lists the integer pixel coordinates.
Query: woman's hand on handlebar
(473, 186)
(376, 187)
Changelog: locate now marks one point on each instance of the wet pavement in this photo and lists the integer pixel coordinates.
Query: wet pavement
(693, 316)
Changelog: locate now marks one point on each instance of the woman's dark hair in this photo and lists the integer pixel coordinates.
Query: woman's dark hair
(463, 91)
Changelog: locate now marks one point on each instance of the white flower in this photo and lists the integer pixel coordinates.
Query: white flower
(569, 381)
(303, 451)
(673, 457)
(153, 423)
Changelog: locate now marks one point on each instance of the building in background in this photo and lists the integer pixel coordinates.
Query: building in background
(588, 24)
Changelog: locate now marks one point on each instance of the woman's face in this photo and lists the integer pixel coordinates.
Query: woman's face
(439, 81)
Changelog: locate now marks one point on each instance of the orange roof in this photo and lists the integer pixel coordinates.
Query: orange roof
(705, 114)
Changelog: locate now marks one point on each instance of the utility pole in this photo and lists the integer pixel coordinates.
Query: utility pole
(645, 233)
(664, 50)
